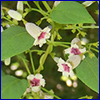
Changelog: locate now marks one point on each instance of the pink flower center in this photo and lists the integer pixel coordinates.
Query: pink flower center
(42, 35)
(35, 82)
(75, 51)
(66, 67)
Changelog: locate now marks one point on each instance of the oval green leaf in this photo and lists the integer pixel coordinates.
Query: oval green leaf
(12, 88)
(15, 40)
(71, 12)
(88, 73)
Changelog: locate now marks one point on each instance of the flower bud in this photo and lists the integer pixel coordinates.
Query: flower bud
(15, 15)
(20, 6)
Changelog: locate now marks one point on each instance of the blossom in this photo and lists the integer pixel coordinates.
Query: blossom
(37, 33)
(36, 82)
(17, 14)
(64, 67)
(7, 61)
(75, 48)
(20, 6)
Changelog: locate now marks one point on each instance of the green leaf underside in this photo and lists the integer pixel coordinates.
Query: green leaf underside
(88, 73)
(12, 88)
(15, 40)
(71, 12)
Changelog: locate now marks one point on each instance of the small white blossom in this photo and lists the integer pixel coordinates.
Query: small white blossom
(64, 67)
(36, 82)
(7, 61)
(87, 3)
(20, 6)
(37, 33)
(15, 15)
(75, 49)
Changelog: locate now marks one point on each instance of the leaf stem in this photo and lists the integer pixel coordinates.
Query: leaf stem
(94, 49)
(80, 27)
(8, 20)
(26, 67)
(50, 93)
(46, 5)
(30, 54)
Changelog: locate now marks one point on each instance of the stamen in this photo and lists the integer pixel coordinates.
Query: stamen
(66, 67)
(42, 35)
(75, 51)
(35, 82)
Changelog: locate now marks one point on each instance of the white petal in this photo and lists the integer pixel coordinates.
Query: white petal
(7, 61)
(87, 3)
(41, 42)
(14, 14)
(60, 68)
(72, 74)
(82, 50)
(38, 76)
(75, 46)
(33, 29)
(56, 59)
(61, 61)
(30, 77)
(74, 60)
(65, 74)
(47, 36)
(35, 88)
(42, 82)
(20, 6)
(47, 29)
(1, 29)
(56, 3)
(67, 51)
(76, 41)
(83, 57)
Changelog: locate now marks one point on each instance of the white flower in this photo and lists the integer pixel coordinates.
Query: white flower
(87, 3)
(15, 15)
(36, 82)
(64, 67)
(75, 49)
(37, 33)
(7, 61)
(20, 6)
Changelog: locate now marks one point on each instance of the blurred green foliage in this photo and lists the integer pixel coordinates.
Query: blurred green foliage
(50, 73)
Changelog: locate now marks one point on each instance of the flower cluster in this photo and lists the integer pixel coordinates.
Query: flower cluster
(75, 56)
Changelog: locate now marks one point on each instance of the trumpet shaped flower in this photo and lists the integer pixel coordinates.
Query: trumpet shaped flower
(36, 82)
(37, 33)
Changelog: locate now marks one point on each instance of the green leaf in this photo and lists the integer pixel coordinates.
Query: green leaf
(2, 72)
(15, 40)
(88, 73)
(70, 12)
(12, 88)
